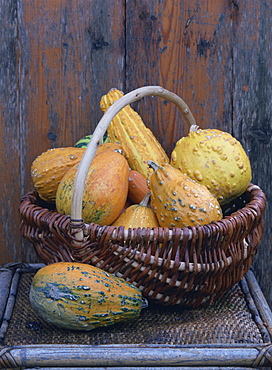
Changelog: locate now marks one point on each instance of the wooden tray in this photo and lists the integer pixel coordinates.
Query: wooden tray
(235, 331)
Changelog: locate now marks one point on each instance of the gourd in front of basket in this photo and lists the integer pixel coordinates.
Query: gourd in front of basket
(79, 296)
(138, 215)
(215, 159)
(138, 141)
(179, 201)
(105, 191)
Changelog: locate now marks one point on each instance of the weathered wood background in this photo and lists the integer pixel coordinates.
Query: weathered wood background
(58, 57)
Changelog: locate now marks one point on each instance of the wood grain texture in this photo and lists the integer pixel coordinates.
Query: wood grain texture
(252, 91)
(9, 134)
(65, 66)
(130, 356)
(184, 47)
(59, 57)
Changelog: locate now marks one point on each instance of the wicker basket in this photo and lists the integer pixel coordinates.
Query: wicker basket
(190, 266)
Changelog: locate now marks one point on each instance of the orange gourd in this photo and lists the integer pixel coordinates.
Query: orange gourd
(105, 191)
(137, 186)
(79, 296)
(48, 169)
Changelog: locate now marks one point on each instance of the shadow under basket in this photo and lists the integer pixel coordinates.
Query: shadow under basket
(185, 266)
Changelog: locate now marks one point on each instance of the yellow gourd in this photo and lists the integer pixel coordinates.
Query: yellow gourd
(138, 215)
(179, 201)
(215, 159)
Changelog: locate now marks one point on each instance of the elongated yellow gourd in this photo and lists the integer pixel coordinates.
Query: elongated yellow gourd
(138, 142)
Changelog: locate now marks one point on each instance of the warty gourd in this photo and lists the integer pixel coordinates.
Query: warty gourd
(179, 201)
(215, 159)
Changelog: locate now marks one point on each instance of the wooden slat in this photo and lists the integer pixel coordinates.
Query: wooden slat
(146, 368)
(66, 49)
(9, 135)
(252, 110)
(71, 54)
(130, 355)
(184, 47)
(260, 301)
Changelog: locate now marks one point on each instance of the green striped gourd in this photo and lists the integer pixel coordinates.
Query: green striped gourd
(79, 296)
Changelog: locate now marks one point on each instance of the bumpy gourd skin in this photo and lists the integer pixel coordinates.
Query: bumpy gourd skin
(215, 159)
(179, 201)
(48, 169)
(78, 296)
(138, 142)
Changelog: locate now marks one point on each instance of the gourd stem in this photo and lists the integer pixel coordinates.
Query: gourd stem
(153, 165)
(194, 128)
(144, 303)
(76, 209)
(145, 201)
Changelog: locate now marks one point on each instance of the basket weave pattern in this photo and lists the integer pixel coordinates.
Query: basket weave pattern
(189, 266)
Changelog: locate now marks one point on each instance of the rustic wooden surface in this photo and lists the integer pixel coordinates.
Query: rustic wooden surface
(57, 58)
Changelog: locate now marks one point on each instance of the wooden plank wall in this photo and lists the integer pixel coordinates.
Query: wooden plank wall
(58, 57)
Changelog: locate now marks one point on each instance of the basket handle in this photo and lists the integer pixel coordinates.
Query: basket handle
(76, 209)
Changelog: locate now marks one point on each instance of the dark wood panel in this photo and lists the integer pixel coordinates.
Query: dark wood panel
(9, 135)
(252, 111)
(184, 47)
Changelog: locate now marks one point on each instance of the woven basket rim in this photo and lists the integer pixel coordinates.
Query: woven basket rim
(250, 188)
(254, 208)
